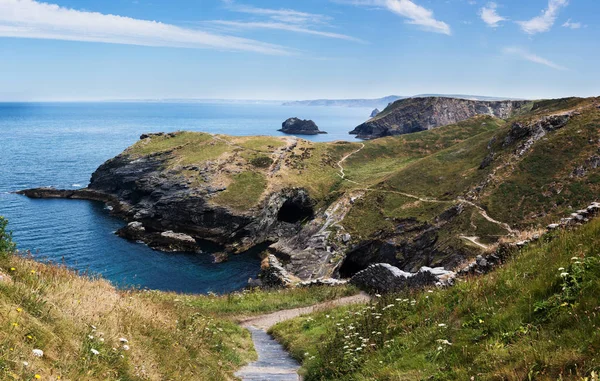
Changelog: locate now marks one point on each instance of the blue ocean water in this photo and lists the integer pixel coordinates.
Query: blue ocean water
(61, 144)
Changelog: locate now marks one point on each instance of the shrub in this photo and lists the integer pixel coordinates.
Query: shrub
(262, 162)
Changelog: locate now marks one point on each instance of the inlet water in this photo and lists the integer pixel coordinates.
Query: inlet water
(61, 144)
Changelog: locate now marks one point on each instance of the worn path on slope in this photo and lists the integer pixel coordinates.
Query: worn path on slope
(342, 174)
(274, 362)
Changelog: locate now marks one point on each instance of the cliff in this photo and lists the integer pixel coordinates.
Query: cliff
(437, 198)
(419, 114)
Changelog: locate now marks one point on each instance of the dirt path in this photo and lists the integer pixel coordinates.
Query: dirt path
(475, 240)
(486, 216)
(274, 362)
(265, 322)
(342, 174)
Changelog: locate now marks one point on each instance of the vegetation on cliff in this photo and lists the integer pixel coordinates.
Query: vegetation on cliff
(432, 198)
(535, 318)
(59, 325)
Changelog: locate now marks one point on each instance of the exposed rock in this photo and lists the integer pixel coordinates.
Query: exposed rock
(534, 131)
(322, 282)
(164, 241)
(274, 275)
(384, 278)
(412, 246)
(419, 114)
(374, 113)
(300, 127)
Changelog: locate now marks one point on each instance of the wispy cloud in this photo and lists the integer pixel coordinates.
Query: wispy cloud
(572, 25)
(33, 19)
(283, 26)
(490, 16)
(414, 13)
(283, 19)
(528, 56)
(283, 15)
(546, 20)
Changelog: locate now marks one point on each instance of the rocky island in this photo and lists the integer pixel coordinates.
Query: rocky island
(297, 126)
(331, 210)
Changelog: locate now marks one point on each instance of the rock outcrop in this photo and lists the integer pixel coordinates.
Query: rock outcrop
(300, 127)
(374, 113)
(419, 114)
(385, 278)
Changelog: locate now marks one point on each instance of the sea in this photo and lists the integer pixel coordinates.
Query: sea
(61, 144)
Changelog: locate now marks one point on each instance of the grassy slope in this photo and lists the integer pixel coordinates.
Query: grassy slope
(171, 336)
(536, 318)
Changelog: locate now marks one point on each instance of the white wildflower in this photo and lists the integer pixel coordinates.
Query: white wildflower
(563, 275)
(123, 340)
(445, 342)
(25, 363)
(94, 351)
(441, 325)
(38, 353)
(377, 295)
(561, 269)
(90, 337)
(125, 347)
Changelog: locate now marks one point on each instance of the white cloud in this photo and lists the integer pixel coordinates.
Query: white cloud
(415, 14)
(283, 15)
(284, 26)
(32, 19)
(489, 15)
(282, 19)
(545, 21)
(528, 56)
(572, 25)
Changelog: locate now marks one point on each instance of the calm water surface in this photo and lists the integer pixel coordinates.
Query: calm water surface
(61, 144)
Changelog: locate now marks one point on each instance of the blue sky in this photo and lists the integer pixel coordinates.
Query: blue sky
(297, 49)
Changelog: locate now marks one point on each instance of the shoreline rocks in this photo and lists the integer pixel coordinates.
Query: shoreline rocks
(300, 127)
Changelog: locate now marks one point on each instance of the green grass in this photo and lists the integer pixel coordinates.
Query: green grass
(535, 318)
(157, 144)
(170, 336)
(244, 192)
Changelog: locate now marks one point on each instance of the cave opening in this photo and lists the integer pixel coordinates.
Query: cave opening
(350, 267)
(296, 210)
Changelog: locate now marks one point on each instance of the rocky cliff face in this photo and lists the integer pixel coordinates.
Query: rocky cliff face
(419, 114)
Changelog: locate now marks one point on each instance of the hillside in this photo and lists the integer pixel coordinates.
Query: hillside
(535, 318)
(58, 325)
(418, 114)
(434, 198)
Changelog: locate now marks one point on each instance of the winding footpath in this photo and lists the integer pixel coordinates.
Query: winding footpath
(342, 174)
(274, 362)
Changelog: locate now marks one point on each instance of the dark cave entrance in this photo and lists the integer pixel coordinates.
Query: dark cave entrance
(296, 209)
(350, 267)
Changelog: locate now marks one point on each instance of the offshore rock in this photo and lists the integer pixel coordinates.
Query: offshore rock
(300, 127)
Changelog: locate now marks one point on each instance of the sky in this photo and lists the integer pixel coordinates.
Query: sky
(296, 49)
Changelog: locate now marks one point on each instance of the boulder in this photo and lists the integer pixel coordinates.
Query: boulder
(385, 278)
